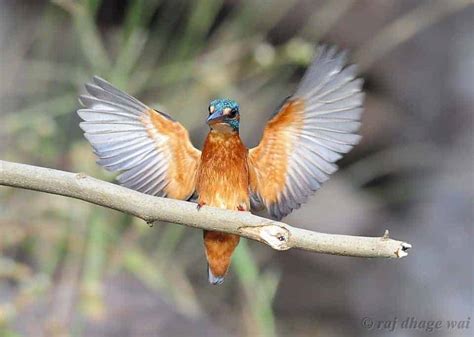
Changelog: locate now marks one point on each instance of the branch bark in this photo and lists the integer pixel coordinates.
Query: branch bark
(277, 235)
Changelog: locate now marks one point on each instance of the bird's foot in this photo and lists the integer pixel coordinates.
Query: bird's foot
(199, 205)
(241, 208)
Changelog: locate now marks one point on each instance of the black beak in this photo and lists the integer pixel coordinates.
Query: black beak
(215, 117)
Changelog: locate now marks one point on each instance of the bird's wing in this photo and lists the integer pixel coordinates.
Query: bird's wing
(152, 151)
(310, 132)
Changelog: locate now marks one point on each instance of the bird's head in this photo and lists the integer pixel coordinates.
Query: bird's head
(224, 115)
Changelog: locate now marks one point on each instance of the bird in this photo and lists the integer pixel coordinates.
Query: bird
(300, 144)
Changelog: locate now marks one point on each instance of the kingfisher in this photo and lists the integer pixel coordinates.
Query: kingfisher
(301, 142)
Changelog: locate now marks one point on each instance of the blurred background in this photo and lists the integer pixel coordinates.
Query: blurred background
(68, 268)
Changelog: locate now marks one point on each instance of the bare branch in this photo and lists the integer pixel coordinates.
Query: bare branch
(278, 235)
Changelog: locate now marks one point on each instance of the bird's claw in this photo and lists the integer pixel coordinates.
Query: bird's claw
(199, 205)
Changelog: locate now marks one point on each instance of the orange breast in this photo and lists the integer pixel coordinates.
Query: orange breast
(223, 176)
(222, 181)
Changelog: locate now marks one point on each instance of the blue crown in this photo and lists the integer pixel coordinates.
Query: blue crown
(222, 103)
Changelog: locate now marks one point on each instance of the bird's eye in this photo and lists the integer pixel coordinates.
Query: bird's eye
(232, 113)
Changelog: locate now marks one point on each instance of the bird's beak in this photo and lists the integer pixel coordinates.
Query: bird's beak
(216, 117)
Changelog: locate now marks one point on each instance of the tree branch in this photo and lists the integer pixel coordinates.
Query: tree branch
(278, 235)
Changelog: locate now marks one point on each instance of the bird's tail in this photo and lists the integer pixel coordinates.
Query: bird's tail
(219, 248)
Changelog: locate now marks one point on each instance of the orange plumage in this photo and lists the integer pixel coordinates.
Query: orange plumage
(300, 144)
(182, 169)
(269, 160)
(222, 181)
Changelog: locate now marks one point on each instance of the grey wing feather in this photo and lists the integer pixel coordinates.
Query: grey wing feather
(115, 125)
(333, 99)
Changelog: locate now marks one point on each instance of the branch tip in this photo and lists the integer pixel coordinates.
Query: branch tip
(402, 250)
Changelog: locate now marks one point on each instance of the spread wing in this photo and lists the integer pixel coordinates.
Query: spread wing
(151, 150)
(310, 132)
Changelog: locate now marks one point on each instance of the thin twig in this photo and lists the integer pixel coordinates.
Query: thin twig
(278, 235)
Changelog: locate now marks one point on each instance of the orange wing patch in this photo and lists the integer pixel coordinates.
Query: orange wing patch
(152, 151)
(310, 132)
(184, 158)
(269, 160)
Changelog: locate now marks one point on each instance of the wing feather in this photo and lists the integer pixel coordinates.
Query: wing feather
(311, 131)
(152, 151)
